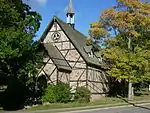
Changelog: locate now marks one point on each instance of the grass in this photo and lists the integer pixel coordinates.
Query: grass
(143, 95)
(73, 104)
(103, 101)
(1, 109)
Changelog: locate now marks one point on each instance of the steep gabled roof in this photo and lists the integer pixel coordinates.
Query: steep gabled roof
(57, 58)
(76, 38)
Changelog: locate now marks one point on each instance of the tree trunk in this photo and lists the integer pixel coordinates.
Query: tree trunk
(130, 91)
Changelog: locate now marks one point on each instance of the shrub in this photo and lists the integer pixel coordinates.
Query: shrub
(57, 93)
(49, 95)
(82, 95)
(15, 95)
(117, 87)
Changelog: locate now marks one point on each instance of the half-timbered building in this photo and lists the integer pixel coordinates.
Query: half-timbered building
(67, 57)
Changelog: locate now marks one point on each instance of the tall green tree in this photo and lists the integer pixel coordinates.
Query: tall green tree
(19, 54)
(18, 25)
(124, 32)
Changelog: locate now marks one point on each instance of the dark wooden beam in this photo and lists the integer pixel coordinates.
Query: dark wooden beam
(43, 67)
(57, 77)
(47, 76)
(52, 72)
(77, 80)
(76, 62)
(86, 76)
(97, 81)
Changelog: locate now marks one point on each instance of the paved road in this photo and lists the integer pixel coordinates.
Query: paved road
(133, 109)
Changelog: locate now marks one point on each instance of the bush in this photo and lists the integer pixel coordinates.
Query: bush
(36, 86)
(49, 95)
(15, 95)
(117, 87)
(57, 93)
(140, 85)
(82, 95)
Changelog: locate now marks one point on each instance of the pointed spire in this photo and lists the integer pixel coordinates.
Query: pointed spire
(70, 15)
(70, 9)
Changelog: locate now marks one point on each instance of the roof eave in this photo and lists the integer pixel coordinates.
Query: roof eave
(64, 70)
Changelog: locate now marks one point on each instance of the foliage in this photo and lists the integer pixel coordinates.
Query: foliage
(124, 33)
(18, 93)
(49, 95)
(18, 15)
(82, 95)
(36, 87)
(125, 65)
(117, 87)
(141, 85)
(57, 93)
(19, 54)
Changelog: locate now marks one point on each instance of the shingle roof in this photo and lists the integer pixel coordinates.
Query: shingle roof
(88, 49)
(57, 58)
(97, 54)
(77, 39)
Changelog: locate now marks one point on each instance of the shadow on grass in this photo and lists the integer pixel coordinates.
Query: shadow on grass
(1, 108)
(140, 93)
(130, 103)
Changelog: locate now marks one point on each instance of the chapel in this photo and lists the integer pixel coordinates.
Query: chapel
(68, 58)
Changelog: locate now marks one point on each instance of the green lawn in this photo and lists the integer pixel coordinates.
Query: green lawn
(1, 108)
(145, 96)
(104, 101)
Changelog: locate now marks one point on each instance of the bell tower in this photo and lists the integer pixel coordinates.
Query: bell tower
(70, 15)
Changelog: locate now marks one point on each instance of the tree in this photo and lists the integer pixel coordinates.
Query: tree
(19, 54)
(18, 25)
(124, 33)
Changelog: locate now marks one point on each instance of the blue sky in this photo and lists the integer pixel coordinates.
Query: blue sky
(87, 11)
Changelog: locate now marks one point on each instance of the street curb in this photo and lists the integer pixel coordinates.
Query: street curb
(63, 110)
(76, 109)
(106, 108)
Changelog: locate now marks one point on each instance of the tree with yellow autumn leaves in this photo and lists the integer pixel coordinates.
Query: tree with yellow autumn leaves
(124, 33)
